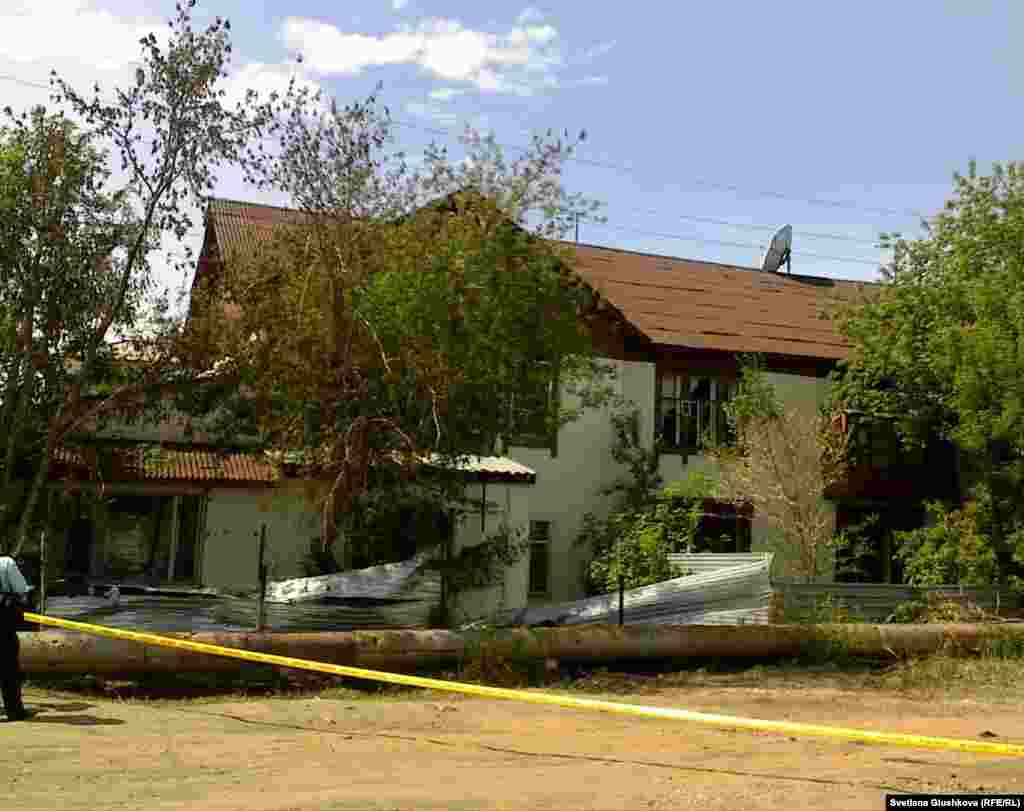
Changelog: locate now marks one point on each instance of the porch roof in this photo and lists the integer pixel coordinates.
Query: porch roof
(156, 462)
(491, 468)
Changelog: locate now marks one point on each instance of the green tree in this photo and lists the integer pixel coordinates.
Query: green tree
(647, 522)
(937, 351)
(405, 314)
(76, 244)
(784, 460)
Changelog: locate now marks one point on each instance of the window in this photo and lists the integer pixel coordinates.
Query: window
(540, 554)
(690, 413)
(529, 406)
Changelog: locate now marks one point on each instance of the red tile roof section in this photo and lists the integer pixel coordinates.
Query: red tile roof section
(155, 463)
(704, 305)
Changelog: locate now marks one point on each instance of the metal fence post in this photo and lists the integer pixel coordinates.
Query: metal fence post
(622, 607)
(262, 574)
(42, 570)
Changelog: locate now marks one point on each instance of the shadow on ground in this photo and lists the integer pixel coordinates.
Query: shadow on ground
(49, 712)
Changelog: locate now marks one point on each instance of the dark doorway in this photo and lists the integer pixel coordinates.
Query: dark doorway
(873, 559)
(724, 527)
(188, 538)
(79, 550)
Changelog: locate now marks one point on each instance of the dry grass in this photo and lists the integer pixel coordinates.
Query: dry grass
(993, 677)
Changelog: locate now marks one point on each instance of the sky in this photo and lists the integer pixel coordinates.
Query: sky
(709, 124)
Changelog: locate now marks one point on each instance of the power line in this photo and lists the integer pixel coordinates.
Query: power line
(757, 227)
(726, 243)
(623, 169)
(694, 218)
(8, 78)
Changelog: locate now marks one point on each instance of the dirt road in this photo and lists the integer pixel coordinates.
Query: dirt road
(437, 751)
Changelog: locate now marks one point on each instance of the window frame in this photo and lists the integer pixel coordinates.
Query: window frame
(524, 437)
(700, 413)
(539, 538)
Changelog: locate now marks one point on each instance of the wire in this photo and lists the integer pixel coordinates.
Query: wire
(446, 133)
(623, 169)
(726, 243)
(757, 227)
(8, 78)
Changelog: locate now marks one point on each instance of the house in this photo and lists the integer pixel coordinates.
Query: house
(674, 330)
(183, 513)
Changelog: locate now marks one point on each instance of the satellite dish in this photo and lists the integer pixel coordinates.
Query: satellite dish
(779, 250)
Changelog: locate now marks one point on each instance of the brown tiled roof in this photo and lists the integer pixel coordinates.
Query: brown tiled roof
(151, 462)
(239, 226)
(704, 305)
(674, 302)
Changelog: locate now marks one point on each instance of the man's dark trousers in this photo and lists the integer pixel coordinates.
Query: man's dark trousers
(10, 670)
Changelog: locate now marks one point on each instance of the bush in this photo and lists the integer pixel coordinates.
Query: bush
(936, 610)
(826, 609)
(635, 545)
(648, 521)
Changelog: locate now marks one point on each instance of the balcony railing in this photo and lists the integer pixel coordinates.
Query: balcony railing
(690, 425)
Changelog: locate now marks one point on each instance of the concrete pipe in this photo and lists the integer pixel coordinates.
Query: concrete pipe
(404, 651)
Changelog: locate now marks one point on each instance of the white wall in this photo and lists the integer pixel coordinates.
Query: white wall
(231, 541)
(511, 504)
(569, 484)
(798, 390)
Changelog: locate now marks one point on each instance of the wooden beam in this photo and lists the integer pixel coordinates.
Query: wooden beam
(134, 488)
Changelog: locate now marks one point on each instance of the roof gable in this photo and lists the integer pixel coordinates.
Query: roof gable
(704, 305)
(673, 302)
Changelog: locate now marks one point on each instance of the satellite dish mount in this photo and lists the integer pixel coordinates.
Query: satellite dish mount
(779, 251)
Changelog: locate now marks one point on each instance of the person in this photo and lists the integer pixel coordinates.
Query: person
(13, 596)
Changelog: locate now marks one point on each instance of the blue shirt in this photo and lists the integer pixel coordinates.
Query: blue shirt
(11, 579)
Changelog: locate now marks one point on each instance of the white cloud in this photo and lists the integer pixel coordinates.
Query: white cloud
(71, 31)
(265, 79)
(590, 81)
(398, 5)
(530, 14)
(521, 60)
(446, 93)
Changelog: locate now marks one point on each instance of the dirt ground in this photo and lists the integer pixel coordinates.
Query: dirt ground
(432, 750)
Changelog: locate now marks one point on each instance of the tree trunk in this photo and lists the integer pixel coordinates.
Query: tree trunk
(38, 483)
(15, 426)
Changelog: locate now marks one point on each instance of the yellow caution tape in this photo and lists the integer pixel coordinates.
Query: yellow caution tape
(726, 721)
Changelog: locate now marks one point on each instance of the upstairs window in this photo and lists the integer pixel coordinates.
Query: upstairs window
(540, 557)
(529, 406)
(689, 411)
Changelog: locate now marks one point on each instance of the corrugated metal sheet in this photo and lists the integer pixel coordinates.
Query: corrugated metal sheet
(153, 462)
(877, 601)
(702, 562)
(705, 305)
(392, 595)
(728, 596)
(498, 468)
